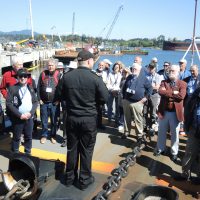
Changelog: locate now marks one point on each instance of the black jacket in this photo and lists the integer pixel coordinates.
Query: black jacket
(13, 101)
(83, 90)
(192, 103)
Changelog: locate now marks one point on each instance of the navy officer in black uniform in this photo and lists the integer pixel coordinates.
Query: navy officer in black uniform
(83, 90)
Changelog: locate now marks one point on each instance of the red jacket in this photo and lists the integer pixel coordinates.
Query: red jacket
(177, 98)
(10, 79)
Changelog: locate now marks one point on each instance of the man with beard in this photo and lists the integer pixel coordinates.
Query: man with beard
(170, 111)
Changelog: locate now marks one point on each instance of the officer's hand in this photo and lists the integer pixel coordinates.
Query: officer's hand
(41, 102)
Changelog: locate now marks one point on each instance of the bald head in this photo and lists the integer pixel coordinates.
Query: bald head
(138, 60)
(101, 66)
(194, 70)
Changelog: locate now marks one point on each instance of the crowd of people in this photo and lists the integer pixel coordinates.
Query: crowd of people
(165, 101)
(138, 96)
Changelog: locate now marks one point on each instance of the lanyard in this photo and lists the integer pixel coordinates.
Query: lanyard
(22, 92)
(115, 79)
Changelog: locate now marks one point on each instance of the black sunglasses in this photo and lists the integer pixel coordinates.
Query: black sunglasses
(23, 76)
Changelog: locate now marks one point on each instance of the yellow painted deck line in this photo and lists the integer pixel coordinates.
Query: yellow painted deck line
(43, 154)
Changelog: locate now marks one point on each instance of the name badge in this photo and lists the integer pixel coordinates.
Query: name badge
(191, 90)
(48, 89)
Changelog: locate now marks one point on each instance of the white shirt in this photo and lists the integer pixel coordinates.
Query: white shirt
(26, 99)
(114, 81)
(105, 76)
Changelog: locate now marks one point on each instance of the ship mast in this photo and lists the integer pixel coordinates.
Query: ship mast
(193, 44)
(194, 31)
(30, 8)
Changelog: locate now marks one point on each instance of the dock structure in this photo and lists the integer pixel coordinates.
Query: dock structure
(31, 57)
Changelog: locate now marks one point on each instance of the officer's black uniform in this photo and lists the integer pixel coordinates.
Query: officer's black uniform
(82, 90)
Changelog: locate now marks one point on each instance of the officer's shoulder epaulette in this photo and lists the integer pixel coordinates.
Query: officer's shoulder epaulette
(94, 72)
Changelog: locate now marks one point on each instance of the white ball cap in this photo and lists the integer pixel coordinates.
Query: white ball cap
(60, 65)
(107, 61)
(183, 61)
(154, 59)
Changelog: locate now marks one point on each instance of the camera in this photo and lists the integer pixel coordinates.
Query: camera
(130, 91)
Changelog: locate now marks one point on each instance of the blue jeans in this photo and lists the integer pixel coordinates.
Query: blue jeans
(111, 98)
(25, 127)
(48, 110)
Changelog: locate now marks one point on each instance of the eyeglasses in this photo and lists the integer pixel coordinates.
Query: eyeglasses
(166, 65)
(23, 76)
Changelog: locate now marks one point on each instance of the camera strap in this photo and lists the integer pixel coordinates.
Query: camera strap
(133, 83)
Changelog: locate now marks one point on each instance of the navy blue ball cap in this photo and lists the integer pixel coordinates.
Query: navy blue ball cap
(22, 72)
(84, 55)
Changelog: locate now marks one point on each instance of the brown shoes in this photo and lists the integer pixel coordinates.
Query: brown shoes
(43, 140)
(53, 141)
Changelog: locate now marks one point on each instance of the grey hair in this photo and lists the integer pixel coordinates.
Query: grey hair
(136, 65)
(54, 61)
(17, 59)
(177, 67)
(196, 66)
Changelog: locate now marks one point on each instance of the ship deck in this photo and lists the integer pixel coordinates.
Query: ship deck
(110, 149)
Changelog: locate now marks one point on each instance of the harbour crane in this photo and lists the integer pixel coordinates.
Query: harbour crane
(114, 21)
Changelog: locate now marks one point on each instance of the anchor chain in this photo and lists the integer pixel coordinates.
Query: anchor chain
(114, 181)
(19, 189)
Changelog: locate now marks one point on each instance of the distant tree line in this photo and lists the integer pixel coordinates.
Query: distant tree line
(136, 42)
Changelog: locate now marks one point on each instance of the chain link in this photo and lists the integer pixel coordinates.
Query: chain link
(114, 181)
(19, 189)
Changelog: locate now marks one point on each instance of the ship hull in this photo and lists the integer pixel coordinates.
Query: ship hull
(177, 46)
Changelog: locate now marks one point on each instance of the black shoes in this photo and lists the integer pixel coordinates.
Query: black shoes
(174, 158)
(89, 182)
(141, 141)
(101, 127)
(64, 144)
(182, 177)
(158, 153)
(125, 135)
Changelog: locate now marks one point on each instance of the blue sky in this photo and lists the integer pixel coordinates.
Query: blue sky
(139, 18)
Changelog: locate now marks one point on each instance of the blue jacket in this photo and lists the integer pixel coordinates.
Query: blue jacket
(140, 85)
(184, 74)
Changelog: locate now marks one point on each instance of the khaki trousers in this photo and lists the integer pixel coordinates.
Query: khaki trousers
(133, 112)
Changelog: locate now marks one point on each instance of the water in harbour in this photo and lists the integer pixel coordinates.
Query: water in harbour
(162, 56)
